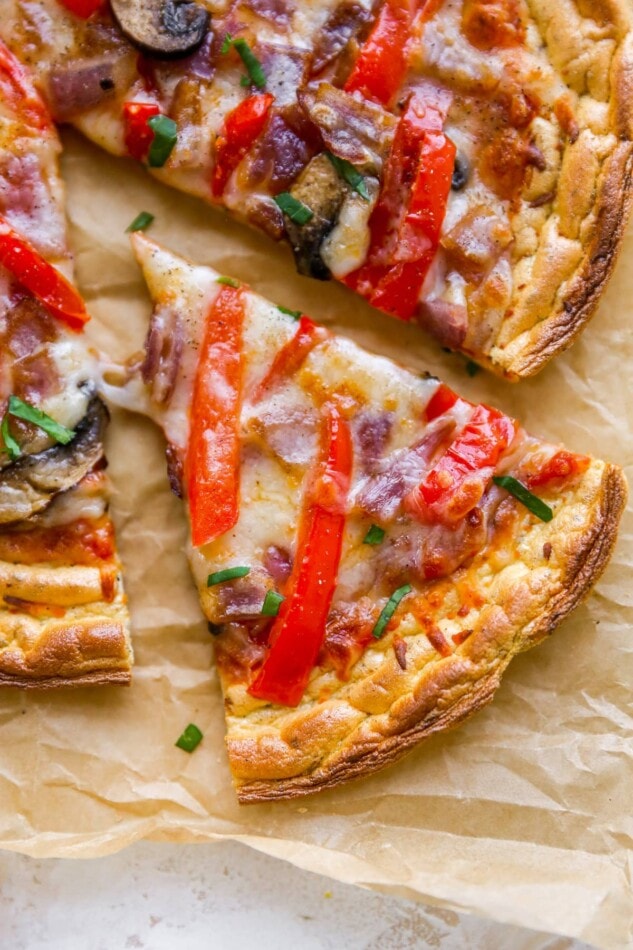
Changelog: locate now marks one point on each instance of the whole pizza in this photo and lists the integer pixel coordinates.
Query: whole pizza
(371, 548)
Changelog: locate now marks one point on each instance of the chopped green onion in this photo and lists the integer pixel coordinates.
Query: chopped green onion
(375, 535)
(228, 281)
(226, 44)
(253, 65)
(272, 603)
(350, 174)
(140, 222)
(22, 410)
(165, 136)
(228, 574)
(190, 739)
(296, 210)
(525, 496)
(11, 446)
(296, 314)
(389, 609)
(472, 368)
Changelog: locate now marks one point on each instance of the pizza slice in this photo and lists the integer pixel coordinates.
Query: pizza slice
(465, 164)
(370, 549)
(63, 615)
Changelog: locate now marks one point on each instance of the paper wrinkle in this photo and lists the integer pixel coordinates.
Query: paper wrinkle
(523, 815)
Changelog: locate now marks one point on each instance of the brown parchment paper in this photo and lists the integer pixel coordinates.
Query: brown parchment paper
(523, 815)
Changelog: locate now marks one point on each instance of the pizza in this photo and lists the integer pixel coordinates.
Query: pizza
(464, 164)
(370, 549)
(63, 615)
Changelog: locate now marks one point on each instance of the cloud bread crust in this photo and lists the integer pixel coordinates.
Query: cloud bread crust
(379, 715)
(88, 645)
(561, 271)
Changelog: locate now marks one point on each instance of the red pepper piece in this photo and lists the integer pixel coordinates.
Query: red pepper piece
(560, 468)
(17, 92)
(291, 355)
(456, 483)
(138, 134)
(82, 8)
(405, 233)
(40, 278)
(299, 628)
(442, 400)
(242, 126)
(212, 464)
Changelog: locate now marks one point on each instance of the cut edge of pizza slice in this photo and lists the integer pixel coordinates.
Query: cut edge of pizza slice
(63, 612)
(370, 549)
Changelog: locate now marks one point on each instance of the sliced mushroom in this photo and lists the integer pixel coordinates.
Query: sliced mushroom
(30, 483)
(322, 190)
(162, 28)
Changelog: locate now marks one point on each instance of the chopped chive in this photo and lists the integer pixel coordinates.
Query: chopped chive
(253, 65)
(525, 496)
(11, 446)
(375, 535)
(296, 210)
(350, 174)
(226, 43)
(272, 603)
(296, 314)
(389, 609)
(190, 738)
(228, 574)
(140, 222)
(228, 281)
(472, 368)
(22, 410)
(165, 136)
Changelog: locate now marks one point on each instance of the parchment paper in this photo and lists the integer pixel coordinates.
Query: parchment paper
(523, 815)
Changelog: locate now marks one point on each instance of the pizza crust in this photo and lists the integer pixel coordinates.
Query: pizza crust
(304, 751)
(580, 240)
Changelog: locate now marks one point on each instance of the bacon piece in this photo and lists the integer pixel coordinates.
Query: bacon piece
(475, 243)
(278, 12)
(285, 68)
(163, 352)
(447, 322)
(276, 160)
(371, 432)
(360, 132)
(291, 434)
(382, 494)
(348, 632)
(278, 563)
(81, 86)
(346, 22)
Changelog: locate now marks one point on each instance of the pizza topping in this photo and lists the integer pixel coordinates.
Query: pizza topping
(375, 535)
(494, 23)
(212, 465)
(256, 74)
(82, 8)
(299, 628)
(164, 28)
(190, 738)
(455, 485)
(165, 137)
(381, 67)
(76, 87)
(400, 650)
(290, 357)
(29, 484)
(559, 468)
(242, 126)
(39, 277)
(28, 413)
(228, 574)
(293, 208)
(407, 221)
(461, 173)
(272, 603)
(525, 496)
(138, 134)
(389, 610)
(142, 220)
(278, 563)
(344, 23)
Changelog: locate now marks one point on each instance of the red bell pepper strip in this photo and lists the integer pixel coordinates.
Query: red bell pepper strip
(17, 91)
(456, 483)
(138, 134)
(291, 355)
(82, 8)
(407, 221)
(242, 126)
(299, 628)
(442, 400)
(560, 467)
(40, 278)
(212, 463)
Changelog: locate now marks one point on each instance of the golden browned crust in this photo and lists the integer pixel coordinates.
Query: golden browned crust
(559, 289)
(519, 613)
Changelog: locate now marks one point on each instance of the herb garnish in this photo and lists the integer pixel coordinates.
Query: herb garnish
(228, 574)
(296, 210)
(525, 496)
(389, 609)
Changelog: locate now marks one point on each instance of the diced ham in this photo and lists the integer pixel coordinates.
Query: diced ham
(359, 132)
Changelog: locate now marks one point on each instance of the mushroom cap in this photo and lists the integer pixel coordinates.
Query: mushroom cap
(162, 28)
